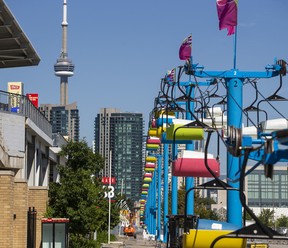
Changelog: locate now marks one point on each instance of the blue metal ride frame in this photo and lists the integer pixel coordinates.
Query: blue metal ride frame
(190, 86)
(189, 183)
(153, 207)
(166, 191)
(234, 118)
(234, 81)
(153, 203)
(150, 209)
(159, 185)
(174, 194)
(146, 213)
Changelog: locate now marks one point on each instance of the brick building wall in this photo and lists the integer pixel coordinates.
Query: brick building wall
(16, 198)
(20, 214)
(6, 208)
(38, 198)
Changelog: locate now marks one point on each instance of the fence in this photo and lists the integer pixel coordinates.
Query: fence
(20, 104)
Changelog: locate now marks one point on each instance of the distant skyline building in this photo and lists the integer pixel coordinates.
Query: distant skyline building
(64, 118)
(266, 193)
(118, 137)
(261, 192)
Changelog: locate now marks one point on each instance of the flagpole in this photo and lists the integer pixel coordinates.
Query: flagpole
(235, 47)
(235, 35)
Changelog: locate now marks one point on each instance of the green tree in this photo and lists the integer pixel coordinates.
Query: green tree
(80, 196)
(202, 206)
(248, 216)
(282, 221)
(267, 217)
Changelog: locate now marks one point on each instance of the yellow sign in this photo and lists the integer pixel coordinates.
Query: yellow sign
(15, 88)
(259, 245)
(124, 212)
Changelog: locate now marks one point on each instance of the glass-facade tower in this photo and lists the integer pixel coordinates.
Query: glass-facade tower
(64, 119)
(120, 135)
(266, 193)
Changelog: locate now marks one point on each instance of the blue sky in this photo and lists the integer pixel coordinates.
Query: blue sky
(121, 49)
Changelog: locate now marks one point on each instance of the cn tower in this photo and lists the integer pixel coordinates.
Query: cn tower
(64, 67)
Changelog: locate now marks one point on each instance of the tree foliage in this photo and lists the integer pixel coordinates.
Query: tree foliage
(80, 196)
(282, 221)
(267, 217)
(202, 206)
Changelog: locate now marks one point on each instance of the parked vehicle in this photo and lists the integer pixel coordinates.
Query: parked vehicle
(283, 230)
(129, 230)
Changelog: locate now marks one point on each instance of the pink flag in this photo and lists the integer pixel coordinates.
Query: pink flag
(185, 51)
(227, 14)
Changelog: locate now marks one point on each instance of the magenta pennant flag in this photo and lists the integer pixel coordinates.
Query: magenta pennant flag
(227, 15)
(185, 51)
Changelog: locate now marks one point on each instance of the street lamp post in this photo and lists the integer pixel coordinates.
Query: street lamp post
(109, 199)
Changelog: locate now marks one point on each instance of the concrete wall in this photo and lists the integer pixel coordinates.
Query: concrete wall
(12, 140)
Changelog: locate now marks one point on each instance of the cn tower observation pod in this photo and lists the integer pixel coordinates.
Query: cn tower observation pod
(64, 67)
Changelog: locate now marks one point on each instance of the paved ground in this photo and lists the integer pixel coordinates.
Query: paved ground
(129, 242)
(273, 243)
(139, 242)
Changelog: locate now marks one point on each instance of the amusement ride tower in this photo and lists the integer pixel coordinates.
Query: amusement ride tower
(64, 67)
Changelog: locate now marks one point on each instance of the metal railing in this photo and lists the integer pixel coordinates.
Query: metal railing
(20, 104)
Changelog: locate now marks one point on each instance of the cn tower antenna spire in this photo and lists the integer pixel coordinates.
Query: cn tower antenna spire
(64, 67)
(65, 13)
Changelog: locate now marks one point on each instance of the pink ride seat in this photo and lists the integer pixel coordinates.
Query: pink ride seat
(192, 164)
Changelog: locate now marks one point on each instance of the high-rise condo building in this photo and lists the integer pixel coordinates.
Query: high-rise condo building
(64, 119)
(119, 139)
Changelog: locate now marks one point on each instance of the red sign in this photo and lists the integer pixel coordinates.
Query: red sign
(106, 181)
(33, 97)
(53, 220)
(14, 87)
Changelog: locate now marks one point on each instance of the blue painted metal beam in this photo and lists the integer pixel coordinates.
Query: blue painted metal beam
(189, 181)
(198, 71)
(166, 191)
(159, 183)
(174, 195)
(234, 118)
(234, 83)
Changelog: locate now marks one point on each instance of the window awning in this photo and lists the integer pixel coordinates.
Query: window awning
(15, 48)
